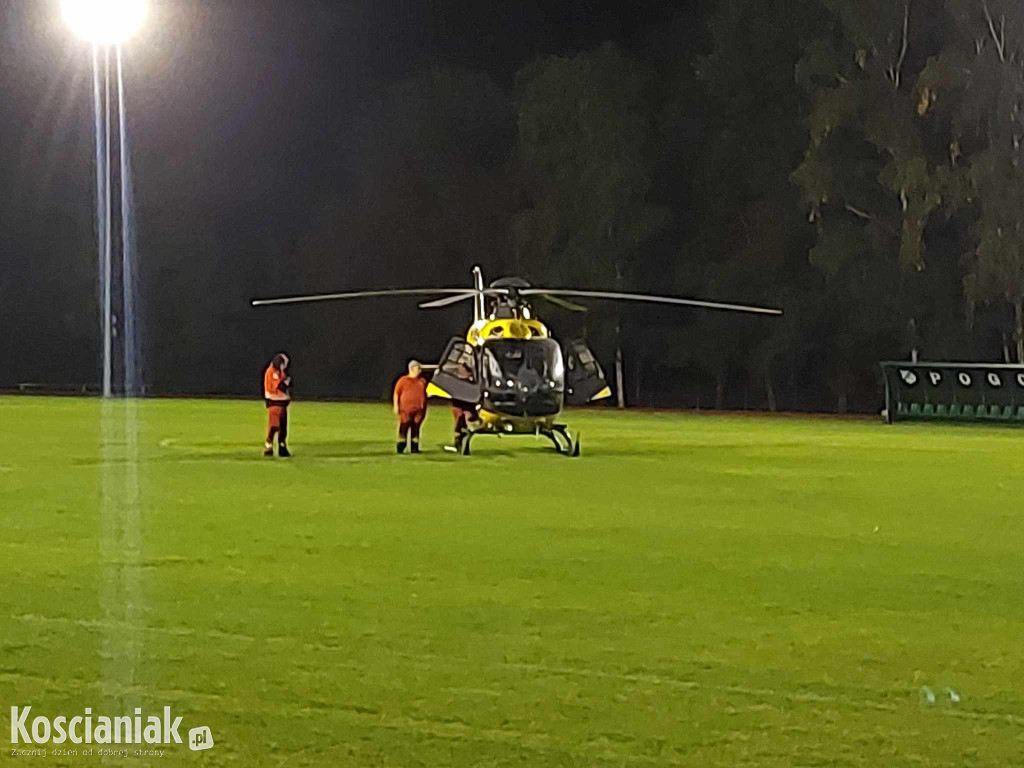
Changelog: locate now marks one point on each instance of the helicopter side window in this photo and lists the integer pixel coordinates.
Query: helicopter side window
(460, 361)
(584, 379)
(585, 356)
(458, 374)
(494, 370)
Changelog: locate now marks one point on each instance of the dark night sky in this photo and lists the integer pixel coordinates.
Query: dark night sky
(249, 96)
(241, 115)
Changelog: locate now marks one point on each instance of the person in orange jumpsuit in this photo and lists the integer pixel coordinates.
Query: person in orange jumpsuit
(410, 405)
(277, 396)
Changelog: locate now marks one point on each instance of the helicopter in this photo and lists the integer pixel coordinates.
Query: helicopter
(509, 367)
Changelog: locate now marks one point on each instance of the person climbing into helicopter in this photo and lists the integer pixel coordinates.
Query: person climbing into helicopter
(410, 405)
(277, 396)
(463, 412)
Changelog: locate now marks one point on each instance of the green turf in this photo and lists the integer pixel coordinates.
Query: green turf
(694, 590)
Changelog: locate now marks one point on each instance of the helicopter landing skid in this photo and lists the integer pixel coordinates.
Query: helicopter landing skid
(559, 436)
(563, 441)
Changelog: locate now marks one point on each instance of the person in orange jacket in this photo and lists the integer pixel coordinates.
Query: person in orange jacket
(277, 396)
(410, 405)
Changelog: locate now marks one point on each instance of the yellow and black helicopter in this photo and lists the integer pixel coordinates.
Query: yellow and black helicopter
(508, 368)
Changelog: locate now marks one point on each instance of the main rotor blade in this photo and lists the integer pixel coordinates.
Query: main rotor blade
(468, 294)
(615, 296)
(361, 295)
(563, 303)
(447, 301)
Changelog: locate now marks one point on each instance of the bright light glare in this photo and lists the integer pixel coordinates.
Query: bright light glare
(104, 22)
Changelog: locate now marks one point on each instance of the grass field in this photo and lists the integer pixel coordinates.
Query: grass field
(694, 590)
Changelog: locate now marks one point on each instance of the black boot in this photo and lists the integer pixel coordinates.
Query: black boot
(283, 452)
(401, 447)
(415, 447)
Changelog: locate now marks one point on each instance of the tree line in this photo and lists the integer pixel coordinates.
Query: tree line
(857, 163)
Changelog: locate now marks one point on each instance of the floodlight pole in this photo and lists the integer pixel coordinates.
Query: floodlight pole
(109, 162)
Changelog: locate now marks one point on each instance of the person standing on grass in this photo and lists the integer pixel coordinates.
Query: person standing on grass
(277, 396)
(410, 405)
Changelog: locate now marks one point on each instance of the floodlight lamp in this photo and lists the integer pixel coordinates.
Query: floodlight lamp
(104, 22)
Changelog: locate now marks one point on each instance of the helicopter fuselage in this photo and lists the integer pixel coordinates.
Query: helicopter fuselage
(515, 370)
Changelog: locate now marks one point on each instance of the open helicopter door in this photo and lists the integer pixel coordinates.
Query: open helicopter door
(457, 376)
(584, 379)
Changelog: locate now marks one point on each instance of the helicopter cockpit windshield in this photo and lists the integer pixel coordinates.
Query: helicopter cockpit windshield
(524, 376)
